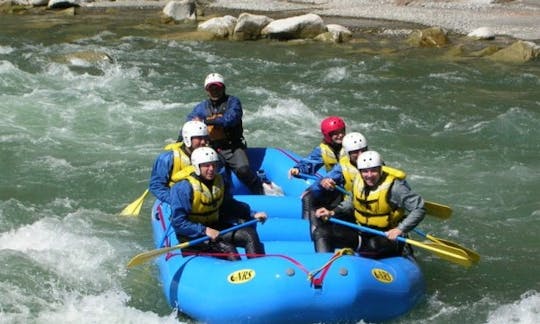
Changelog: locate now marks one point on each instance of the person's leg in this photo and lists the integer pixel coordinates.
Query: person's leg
(321, 230)
(248, 239)
(225, 250)
(238, 161)
(377, 247)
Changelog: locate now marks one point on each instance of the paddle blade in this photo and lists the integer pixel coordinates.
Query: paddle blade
(472, 255)
(444, 252)
(149, 255)
(438, 210)
(134, 208)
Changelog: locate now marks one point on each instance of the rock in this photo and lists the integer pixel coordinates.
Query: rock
(336, 34)
(220, 27)
(183, 10)
(485, 51)
(63, 4)
(518, 52)
(305, 26)
(482, 33)
(249, 26)
(86, 58)
(430, 37)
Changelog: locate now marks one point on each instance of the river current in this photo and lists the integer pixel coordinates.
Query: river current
(78, 138)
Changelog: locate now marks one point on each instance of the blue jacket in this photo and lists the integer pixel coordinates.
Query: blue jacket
(181, 198)
(335, 174)
(312, 163)
(161, 176)
(232, 116)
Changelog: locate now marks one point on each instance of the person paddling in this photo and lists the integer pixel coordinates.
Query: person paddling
(383, 200)
(201, 205)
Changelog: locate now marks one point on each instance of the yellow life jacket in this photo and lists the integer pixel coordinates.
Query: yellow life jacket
(181, 163)
(349, 171)
(329, 157)
(374, 210)
(205, 204)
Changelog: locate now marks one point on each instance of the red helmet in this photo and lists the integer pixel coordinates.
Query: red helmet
(329, 125)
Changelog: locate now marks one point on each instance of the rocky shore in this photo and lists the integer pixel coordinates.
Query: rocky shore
(421, 23)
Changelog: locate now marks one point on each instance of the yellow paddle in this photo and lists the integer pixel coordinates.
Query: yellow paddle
(475, 257)
(134, 208)
(146, 256)
(438, 210)
(444, 252)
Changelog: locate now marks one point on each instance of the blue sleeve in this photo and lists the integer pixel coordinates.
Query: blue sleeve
(312, 163)
(231, 117)
(160, 177)
(335, 174)
(233, 114)
(198, 112)
(181, 197)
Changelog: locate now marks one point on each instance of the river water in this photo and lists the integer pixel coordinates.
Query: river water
(78, 138)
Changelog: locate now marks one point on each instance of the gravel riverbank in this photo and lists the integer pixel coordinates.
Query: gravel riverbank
(519, 19)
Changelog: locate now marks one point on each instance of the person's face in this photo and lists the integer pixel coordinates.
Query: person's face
(371, 176)
(353, 155)
(208, 170)
(337, 136)
(215, 91)
(199, 141)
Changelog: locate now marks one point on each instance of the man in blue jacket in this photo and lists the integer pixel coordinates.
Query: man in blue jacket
(201, 205)
(222, 114)
(172, 165)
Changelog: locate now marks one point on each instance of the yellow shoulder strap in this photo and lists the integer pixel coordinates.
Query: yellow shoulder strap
(183, 174)
(397, 173)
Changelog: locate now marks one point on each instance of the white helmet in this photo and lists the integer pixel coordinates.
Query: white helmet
(369, 159)
(214, 78)
(354, 141)
(203, 155)
(191, 129)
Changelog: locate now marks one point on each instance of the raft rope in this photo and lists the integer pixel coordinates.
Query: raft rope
(317, 282)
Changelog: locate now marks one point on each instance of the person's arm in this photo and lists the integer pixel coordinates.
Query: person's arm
(403, 196)
(332, 179)
(312, 163)
(198, 113)
(181, 197)
(160, 177)
(232, 115)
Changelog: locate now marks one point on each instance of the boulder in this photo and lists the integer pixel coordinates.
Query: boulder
(482, 33)
(335, 34)
(305, 26)
(63, 4)
(518, 52)
(249, 26)
(182, 10)
(220, 27)
(430, 37)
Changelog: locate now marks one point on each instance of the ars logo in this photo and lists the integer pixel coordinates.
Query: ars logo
(241, 276)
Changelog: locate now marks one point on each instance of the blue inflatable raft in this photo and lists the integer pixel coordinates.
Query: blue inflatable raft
(292, 283)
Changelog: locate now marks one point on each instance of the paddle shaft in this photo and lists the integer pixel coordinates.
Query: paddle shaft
(146, 256)
(134, 208)
(434, 209)
(455, 256)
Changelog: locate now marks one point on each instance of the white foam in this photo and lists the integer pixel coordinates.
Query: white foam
(107, 307)
(526, 310)
(6, 49)
(77, 257)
